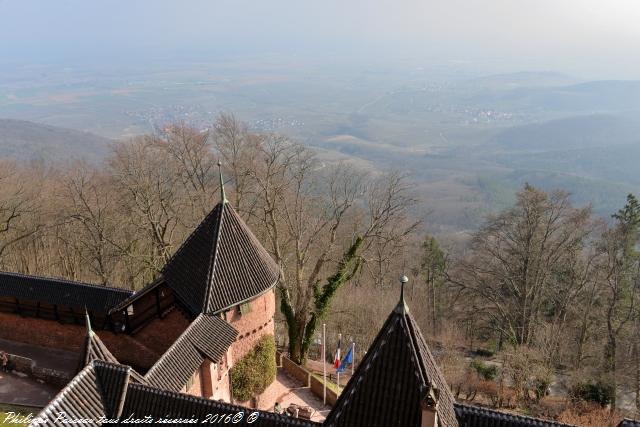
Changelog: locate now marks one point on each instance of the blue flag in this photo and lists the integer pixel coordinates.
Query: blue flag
(348, 358)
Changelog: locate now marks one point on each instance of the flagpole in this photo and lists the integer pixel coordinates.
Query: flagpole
(353, 357)
(324, 363)
(339, 357)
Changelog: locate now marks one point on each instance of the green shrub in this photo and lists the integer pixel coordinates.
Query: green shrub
(598, 391)
(485, 371)
(252, 374)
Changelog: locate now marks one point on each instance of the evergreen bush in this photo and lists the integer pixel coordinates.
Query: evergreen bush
(597, 391)
(252, 374)
(485, 371)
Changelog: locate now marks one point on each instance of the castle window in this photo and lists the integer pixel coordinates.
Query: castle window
(245, 308)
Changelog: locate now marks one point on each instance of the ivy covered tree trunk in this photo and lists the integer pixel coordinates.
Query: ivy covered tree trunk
(302, 327)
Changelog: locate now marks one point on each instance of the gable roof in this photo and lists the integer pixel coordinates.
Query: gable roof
(206, 337)
(136, 295)
(96, 391)
(221, 264)
(395, 376)
(145, 401)
(95, 349)
(104, 389)
(474, 416)
(78, 295)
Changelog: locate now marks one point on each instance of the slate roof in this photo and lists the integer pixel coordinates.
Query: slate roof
(474, 416)
(628, 422)
(104, 389)
(206, 337)
(95, 349)
(143, 401)
(136, 295)
(392, 380)
(96, 391)
(97, 299)
(220, 265)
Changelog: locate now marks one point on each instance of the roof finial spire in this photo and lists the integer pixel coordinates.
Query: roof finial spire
(223, 196)
(402, 305)
(88, 320)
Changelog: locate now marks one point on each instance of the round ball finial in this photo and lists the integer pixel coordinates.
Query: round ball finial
(402, 306)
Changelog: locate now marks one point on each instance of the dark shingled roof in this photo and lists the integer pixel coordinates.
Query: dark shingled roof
(95, 349)
(97, 391)
(97, 299)
(627, 422)
(220, 265)
(392, 380)
(136, 295)
(474, 416)
(144, 401)
(104, 390)
(206, 337)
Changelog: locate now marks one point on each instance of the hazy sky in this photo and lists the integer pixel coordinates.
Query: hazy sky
(586, 37)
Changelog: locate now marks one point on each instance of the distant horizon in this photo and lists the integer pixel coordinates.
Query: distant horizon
(579, 37)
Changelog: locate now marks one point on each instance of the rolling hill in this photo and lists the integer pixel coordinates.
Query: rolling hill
(23, 140)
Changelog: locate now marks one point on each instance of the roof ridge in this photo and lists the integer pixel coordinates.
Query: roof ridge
(370, 357)
(64, 280)
(185, 338)
(214, 257)
(220, 265)
(116, 411)
(136, 294)
(401, 349)
(511, 414)
(415, 352)
(174, 262)
(192, 235)
(219, 405)
(172, 346)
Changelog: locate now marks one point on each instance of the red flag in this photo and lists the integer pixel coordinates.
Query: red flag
(336, 359)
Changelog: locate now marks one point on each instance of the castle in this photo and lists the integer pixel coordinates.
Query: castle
(213, 300)
(164, 353)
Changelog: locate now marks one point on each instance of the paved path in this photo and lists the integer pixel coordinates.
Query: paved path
(23, 390)
(287, 390)
(50, 358)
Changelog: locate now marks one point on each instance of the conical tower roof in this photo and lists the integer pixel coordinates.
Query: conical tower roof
(396, 376)
(220, 265)
(94, 348)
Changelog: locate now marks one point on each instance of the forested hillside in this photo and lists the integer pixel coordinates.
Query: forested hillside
(538, 311)
(32, 141)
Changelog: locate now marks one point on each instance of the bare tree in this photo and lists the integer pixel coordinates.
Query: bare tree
(17, 202)
(515, 256)
(188, 156)
(239, 151)
(318, 233)
(92, 220)
(147, 189)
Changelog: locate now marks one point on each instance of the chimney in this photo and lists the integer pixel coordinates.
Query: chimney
(430, 408)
